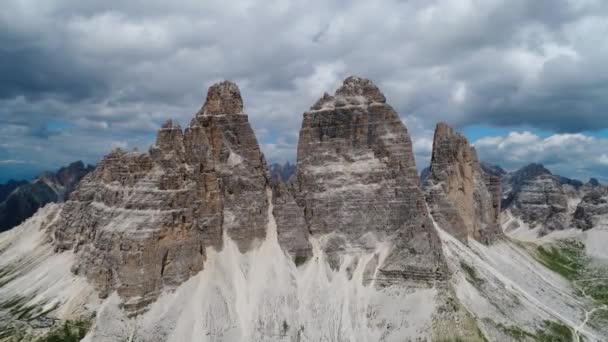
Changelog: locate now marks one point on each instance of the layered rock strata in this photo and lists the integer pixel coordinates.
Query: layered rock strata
(143, 221)
(357, 186)
(541, 201)
(592, 211)
(513, 181)
(464, 200)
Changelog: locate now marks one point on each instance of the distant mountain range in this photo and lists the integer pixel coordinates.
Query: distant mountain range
(21, 199)
(10, 186)
(282, 171)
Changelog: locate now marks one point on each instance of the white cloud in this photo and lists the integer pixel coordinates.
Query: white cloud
(15, 161)
(117, 70)
(572, 155)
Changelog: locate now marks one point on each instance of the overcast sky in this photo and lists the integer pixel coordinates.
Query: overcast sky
(526, 81)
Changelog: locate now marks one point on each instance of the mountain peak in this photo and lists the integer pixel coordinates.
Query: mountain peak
(535, 169)
(223, 98)
(358, 86)
(354, 91)
(467, 202)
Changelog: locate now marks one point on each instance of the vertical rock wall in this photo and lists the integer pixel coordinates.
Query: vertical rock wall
(464, 200)
(357, 184)
(141, 222)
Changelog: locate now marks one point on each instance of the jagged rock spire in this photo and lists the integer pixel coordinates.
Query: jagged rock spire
(357, 86)
(354, 91)
(357, 182)
(463, 199)
(223, 98)
(175, 202)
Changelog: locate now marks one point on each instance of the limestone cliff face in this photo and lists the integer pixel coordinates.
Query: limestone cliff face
(592, 211)
(541, 201)
(356, 184)
(464, 200)
(141, 222)
(292, 230)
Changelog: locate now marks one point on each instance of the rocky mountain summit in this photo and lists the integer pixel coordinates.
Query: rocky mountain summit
(540, 199)
(462, 196)
(357, 184)
(592, 211)
(199, 240)
(157, 213)
(26, 198)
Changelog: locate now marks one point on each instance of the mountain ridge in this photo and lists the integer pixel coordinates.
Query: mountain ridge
(24, 200)
(196, 240)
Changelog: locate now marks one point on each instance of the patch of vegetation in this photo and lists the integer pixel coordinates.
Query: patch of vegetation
(595, 287)
(19, 309)
(13, 303)
(550, 332)
(461, 339)
(70, 331)
(7, 274)
(566, 258)
(454, 323)
(554, 332)
(9, 333)
(299, 260)
(471, 274)
(515, 332)
(601, 314)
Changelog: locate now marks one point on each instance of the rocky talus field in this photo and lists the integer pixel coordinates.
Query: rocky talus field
(198, 239)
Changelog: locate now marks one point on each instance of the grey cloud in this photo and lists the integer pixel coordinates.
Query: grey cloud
(118, 69)
(574, 155)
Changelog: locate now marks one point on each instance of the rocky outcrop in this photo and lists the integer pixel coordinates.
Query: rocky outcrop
(592, 211)
(464, 200)
(292, 230)
(541, 201)
(357, 184)
(222, 98)
(48, 187)
(143, 221)
(513, 181)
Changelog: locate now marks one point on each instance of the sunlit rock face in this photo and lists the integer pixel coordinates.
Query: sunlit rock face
(464, 199)
(143, 221)
(357, 186)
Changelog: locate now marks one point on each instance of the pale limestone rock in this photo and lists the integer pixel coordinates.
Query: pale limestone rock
(357, 185)
(143, 222)
(464, 200)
